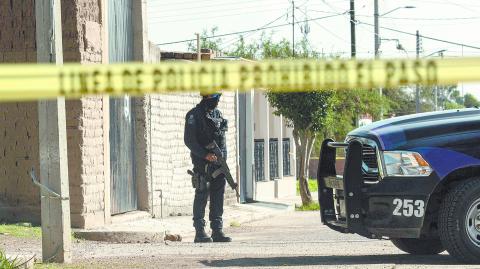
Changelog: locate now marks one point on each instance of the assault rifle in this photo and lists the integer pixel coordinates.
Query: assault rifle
(215, 149)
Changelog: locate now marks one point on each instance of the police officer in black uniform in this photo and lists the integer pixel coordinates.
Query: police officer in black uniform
(204, 124)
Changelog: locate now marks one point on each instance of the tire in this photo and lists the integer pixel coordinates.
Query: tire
(459, 221)
(418, 246)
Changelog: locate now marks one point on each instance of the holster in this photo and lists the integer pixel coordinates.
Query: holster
(199, 181)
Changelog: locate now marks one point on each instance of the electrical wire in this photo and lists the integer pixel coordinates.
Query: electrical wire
(248, 31)
(405, 18)
(228, 43)
(327, 30)
(201, 6)
(250, 34)
(423, 36)
(212, 17)
(162, 2)
(207, 13)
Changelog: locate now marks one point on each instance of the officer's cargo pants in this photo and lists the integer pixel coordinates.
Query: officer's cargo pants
(216, 192)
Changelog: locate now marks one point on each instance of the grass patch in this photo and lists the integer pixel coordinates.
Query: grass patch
(312, 185)
(6, 263)
(310, 207)
(21, 230)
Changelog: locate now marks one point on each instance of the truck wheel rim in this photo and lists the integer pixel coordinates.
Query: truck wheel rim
(473, 223)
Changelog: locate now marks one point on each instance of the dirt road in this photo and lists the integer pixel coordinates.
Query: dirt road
(294, 239)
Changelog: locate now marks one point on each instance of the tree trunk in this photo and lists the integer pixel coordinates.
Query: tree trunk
(303, 141)
(296, 139)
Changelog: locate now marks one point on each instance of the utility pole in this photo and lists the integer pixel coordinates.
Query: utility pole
(199, 50)
(375, 22)
(352, 29)
(418, 108)
(293, 28)
(55, 204)
(376, 37)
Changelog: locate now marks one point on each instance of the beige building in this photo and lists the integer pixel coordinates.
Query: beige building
(269, 150)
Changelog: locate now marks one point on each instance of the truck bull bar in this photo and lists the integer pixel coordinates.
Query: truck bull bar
(351, 182)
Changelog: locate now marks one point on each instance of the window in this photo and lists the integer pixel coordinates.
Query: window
(273, 158)
(259, 159)
(286, 157)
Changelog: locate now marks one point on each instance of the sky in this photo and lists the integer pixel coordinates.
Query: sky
(455, 20)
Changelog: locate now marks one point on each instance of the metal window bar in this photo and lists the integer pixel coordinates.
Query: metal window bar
(259, 159)
(273, 158)
(286, 157)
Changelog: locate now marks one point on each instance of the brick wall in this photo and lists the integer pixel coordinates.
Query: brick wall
(164, 115)
(82, 41)
(19, 198)
(170, 156)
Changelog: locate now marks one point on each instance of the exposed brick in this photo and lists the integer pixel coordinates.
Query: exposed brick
(178, 55)
(19, 121)
(170, 157)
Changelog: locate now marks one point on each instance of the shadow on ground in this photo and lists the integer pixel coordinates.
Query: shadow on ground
(333, 260)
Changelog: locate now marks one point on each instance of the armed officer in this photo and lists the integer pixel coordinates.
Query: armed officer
(203, 125)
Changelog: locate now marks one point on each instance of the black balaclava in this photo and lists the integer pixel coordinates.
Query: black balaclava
(211, 102)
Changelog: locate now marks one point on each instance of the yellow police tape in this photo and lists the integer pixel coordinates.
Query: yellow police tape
(34, 81)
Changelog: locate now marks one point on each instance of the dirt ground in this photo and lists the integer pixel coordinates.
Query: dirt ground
(293, 239)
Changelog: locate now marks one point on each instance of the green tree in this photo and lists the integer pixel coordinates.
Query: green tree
(207, 43)
(400, 102)
(470, 101)
(349, 105)
(244, 50)
(307, 111)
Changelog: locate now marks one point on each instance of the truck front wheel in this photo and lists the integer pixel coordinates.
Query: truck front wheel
(419, 246)
(459, 221)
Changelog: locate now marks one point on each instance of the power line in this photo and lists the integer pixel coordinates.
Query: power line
(200, 6)
(161, 2)
(327, 30)
(248, 31)
(206, 13)
(228, 43)
(406, 18)
(212, 17)
(426, 37)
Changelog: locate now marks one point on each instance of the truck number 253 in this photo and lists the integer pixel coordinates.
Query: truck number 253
(409, 208)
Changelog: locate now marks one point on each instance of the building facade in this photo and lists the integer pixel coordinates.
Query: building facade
(126, 154)
(268, 165)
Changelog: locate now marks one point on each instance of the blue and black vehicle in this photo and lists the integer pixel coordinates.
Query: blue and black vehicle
(413, 179)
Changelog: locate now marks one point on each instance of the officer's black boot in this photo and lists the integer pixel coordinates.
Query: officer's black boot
(219, 236)
(201, 236)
